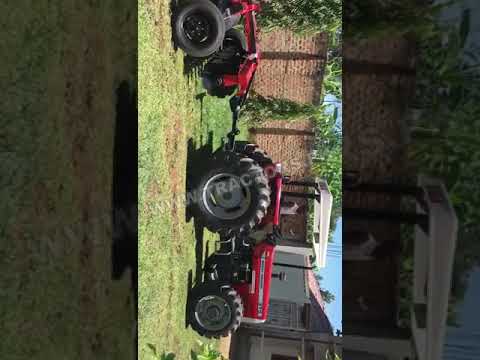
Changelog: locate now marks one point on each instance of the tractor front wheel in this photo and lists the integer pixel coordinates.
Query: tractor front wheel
(214, 310)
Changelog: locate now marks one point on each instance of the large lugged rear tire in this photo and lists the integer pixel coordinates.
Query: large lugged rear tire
(233, 196)
(199, 28)
(214, 310)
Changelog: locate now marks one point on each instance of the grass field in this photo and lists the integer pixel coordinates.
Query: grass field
(176, 128)
(61, 65)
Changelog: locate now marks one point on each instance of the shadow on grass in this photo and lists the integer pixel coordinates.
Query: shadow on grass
(196, 160)
(124, 192)
(199, 151)
(199, 259)
(192, 66)
(189, 291)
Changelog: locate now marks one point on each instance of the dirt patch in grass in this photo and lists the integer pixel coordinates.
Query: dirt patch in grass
(175, 142)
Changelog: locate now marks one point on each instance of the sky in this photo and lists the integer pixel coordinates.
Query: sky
(332, 102)
(332, 278)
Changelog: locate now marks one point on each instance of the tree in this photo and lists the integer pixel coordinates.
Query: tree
(332, 78)
(327, 296)
(301, 16)
(259, 108)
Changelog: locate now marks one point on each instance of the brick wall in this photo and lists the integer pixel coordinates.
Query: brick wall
(294, 152)
(292, 66)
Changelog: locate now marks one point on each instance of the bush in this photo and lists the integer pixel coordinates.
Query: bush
(259, 108)
(301, 16)
(205, 352)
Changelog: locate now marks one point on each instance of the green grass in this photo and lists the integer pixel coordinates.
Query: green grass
(57, 297)
(170, 116)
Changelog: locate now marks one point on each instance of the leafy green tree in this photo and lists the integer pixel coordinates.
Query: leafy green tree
(259, 108)
(327, 296)
(301, 16)
(332, 79)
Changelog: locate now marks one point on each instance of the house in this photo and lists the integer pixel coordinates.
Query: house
(317, 246)
(292, 69)
(297, 324)
(291, 144)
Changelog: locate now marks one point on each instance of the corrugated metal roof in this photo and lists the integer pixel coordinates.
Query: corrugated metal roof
(319, 321)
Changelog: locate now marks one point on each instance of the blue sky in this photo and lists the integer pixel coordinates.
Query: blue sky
(332, 278)
(332, 102)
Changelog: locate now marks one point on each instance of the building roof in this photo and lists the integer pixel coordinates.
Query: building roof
(321, 222)
(318, 319)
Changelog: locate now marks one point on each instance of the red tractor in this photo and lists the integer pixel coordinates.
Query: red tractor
(239, 196)
(207, 29)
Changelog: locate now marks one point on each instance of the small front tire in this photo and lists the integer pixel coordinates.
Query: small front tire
(214, 310)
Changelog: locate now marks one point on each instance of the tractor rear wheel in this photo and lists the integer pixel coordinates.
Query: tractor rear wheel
(214, 310)
(233, 196)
